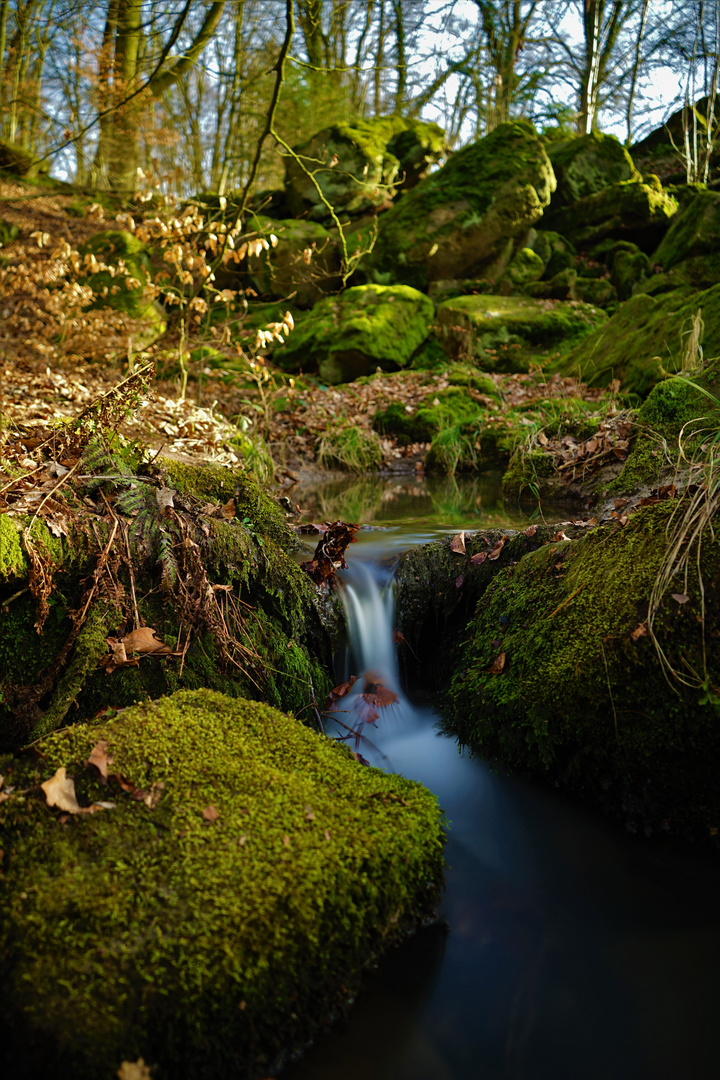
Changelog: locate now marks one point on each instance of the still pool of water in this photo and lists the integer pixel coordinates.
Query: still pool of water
(566, 949)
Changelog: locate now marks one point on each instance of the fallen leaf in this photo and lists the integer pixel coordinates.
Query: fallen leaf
(309, 815)
(398, 637)
(531, 530)
(134, 1070)
(228, 510)
(641, 630)
(164, 496)
(479, 558)
(340, 691)
(542, 438)
(497, 665)
(459, 581)
(60, 792)
(145, 640)
(560, 536)
(99, 758)
(680, 597)
(497, 550)
(286, 840)
(458, 543)
(210, 813)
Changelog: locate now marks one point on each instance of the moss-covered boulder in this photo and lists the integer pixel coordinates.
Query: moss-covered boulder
(461, 219)
(555, 671)
(586, 165)
(633, 211)
(117, 268)
(362, 165)
(505, 332)
(365, 327)
(221, 911)
(301, 264)
(695, 231)
(644, 340)
(526, 265)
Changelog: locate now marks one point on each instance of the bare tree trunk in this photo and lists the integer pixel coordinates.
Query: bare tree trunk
(636, 68)
(401, 62)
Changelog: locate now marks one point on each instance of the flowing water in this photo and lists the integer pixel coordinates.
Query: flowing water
(565, 949)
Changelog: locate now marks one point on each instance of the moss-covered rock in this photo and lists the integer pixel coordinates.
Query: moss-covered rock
(503, 331)
(630, 268)
(695, 231)
(586, 165)
(282, 651)
(525, 266)
(365, 327)
(644, 339)
(304, 263)
(631, 211)
(690, 275)
(120, 285)
(556, 674)
(462, 217)
(362, 165)
(217, 917)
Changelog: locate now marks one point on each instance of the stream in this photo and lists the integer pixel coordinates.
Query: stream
(566, 949)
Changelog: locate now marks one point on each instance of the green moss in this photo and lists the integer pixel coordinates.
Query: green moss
(436, 413)
(526, 266)
(695, 231)
(366, 327)
(643, 340)
(371, 158)
(504, 332)
(629, 210)
(588, 164)
(461, 216)
(578, 698)
(207, 947)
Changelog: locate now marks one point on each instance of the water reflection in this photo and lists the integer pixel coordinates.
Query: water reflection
(470, 502)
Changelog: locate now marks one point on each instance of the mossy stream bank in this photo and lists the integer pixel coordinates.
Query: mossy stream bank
(551, 651)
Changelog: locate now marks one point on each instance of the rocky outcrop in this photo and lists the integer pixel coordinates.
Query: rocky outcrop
(695, 231)
(501, 333)
(303, 265)
(360, 166)
(354, 333)
(462, 219)
(633, 211)
(587, 165)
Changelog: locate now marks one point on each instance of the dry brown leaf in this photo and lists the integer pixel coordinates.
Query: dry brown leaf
(479, 558)
(134, 1070)
(228, 510)
(680, 598)
(641, 630)
(100, 759)
(164, 496)
(211, 813)
(497, 550)
(60, 792)
(458, 543)
(497, 665)
(145, 640)
(531, 530)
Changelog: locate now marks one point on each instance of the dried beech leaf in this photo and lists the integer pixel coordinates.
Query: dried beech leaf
(60, 791)
(145, 640)
(211, 813)
(531, 530)
(497, 550)
(498, 664)
(680, 597)
(479, 558)
(164, 496)
(99, 758)
(641, 630)
(134, 1070)
(458, 543)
